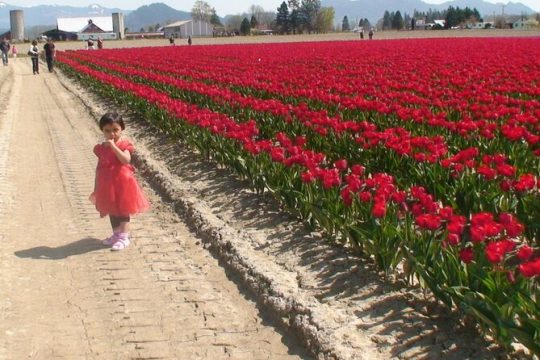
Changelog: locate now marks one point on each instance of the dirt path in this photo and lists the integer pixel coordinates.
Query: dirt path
(62, 294)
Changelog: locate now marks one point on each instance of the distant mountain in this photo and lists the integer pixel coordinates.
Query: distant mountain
(374, 10)
(144, 16)
(154, 14)
(159, 13)
(47, 14)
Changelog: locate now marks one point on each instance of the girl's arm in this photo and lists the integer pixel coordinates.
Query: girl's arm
(123, 156)
(92, 196)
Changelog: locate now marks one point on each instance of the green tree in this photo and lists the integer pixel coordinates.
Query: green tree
(282, 18)
(295, 17)
(253, 23)
(245, 27)
(309, 10)
(451, 17)
(364, 24)
(397, 21)
(214, 18)
(345, 24)
(387, 21)
(324, 21)
(406, 20)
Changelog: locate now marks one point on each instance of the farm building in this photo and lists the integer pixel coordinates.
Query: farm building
(525, 24)
(481, 25)
(84, 28)
(185, 28)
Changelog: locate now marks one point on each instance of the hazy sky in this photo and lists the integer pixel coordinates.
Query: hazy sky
(223, 7)
(533, 4)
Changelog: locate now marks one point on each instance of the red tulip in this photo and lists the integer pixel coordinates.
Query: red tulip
(466, 255)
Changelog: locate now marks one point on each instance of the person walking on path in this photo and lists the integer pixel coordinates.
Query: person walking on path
(90, 44)
(50, 54)
(116, 191)
(189, 41)
(4, 48)
(99, 43)
(14, 52)
(34, 56)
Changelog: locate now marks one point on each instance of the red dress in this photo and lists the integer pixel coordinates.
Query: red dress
(117, 192)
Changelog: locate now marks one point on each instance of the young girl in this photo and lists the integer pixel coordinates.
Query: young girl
(116, 191)
(14, 52)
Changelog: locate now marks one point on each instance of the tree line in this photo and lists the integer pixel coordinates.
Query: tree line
(296, 17)
(453, 16)
(309, 16)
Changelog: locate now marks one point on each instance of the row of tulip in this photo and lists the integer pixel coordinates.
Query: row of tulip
(479, 93)
(320, 118)
(480, 262)
(431, 110)
(471, 191)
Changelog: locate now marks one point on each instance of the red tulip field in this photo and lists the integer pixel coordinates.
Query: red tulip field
(422, 155)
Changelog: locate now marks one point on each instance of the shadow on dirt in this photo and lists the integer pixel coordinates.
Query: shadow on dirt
(400, 320)
(79, 247)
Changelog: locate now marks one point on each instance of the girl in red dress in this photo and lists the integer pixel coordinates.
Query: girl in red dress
(116, 191)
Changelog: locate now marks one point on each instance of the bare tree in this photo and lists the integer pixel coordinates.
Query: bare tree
(266, 18)
(233, 23)
(201, 11)
(256, 10)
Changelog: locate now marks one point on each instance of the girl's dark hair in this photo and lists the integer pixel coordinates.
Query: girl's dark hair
(111, 118)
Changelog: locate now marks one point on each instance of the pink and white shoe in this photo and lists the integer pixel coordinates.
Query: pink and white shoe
(111, 240)
(120, 244)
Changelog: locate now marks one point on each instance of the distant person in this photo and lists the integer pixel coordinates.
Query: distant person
(99, 43)
(171, 40)
(33, 52)
(370, 34)
(4, 48)
(90, 44)
(50, 54)
(361, 33)
(189, 40)
(14, 52)
(116, 191)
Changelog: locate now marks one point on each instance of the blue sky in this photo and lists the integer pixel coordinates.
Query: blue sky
(223, 7)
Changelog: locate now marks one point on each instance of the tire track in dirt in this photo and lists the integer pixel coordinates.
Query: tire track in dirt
(165, 297)
(8, 94)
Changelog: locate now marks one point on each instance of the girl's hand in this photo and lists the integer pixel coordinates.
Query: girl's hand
(109, 143)
(92, 198)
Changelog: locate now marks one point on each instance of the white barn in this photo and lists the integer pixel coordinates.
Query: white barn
(88, 28)
(185, 28)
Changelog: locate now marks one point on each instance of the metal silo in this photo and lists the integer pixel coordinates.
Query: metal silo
(16, 18)
(118, 25)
